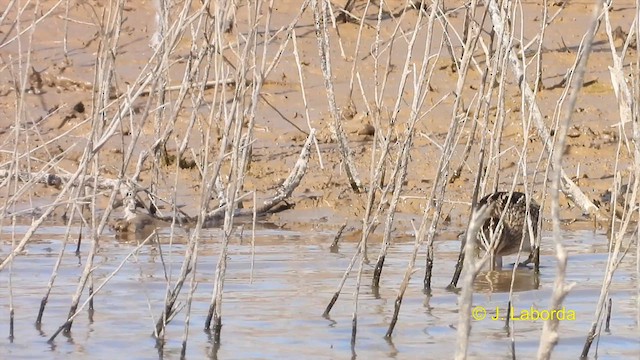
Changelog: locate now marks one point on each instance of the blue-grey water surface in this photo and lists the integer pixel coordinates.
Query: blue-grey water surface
(275, 312)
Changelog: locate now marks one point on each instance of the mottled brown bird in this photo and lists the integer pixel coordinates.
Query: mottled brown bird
(134, 223)
(514, 229)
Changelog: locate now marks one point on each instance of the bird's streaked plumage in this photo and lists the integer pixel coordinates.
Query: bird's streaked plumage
(134, 223)
(514, 229)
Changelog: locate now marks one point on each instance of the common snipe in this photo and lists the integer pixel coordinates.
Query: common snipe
(135, 223)
(514, 229)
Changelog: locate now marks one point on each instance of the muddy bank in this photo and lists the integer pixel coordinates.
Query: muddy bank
(57, 106)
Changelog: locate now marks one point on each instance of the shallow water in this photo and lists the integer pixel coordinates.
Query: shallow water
(275, 310)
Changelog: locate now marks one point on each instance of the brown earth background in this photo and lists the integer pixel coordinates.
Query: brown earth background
(50, 56)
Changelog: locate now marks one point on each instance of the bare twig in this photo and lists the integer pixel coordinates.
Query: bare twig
(569, 188)
(549, 337)
(320, 16)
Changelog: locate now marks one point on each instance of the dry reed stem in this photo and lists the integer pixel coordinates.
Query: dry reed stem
(164, 121)
(549, 336)
(78, 309)
(193, 284)
(370, 218)
(482, 108)
(254, 219)
(172, 293)
(466, 297)
(215, 308)
(334, 244)
(377, 168)
(8, 9)
(614, 259)
(320, 21)
(545, 21)
(343, 280)
(356, 49)
(528, 230)
(396, 182)
(39, 16)
(36, 223)
(474, 201)
(54, 271)
(283, 191)
(236, 176)
(303, 93)
(191, 252)
(113, 25)
(625, 102)
(569, 188)
(426, 232)
(356, 294)
(11, 307)
(377, 171)
(636, 136)
(500, 56)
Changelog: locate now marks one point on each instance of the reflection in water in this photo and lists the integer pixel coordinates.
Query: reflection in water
(214, 347)
(273, 301)
(524, 279)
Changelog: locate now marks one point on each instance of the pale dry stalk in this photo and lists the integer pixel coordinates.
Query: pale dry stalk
(426, 232)
(625, 104)
(378, 166)
(466, 297)
(78, 309)
(569, 188)
(320, 17)
(549, 337)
